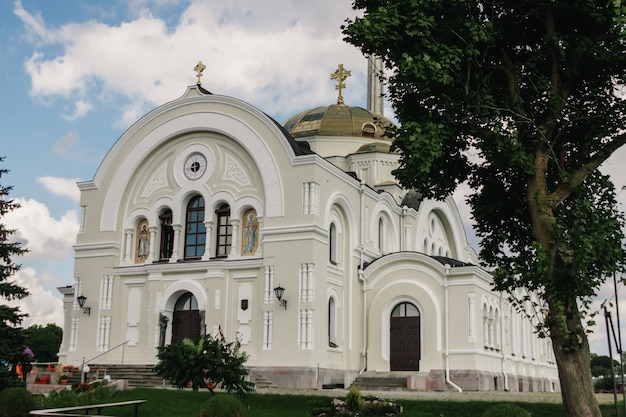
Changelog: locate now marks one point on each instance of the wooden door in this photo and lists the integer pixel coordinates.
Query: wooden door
(404, 339)
(185, 324)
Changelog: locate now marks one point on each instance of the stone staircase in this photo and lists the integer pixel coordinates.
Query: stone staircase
(381, 381)
(136, 375)
(260, 382)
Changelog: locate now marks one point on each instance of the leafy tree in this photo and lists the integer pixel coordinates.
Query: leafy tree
(44, 341)
(520, 100)
(205, 363)
(601, 365)
(10, 317)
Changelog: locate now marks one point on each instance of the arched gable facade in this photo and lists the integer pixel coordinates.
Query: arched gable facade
(394, 279)
(194, 115)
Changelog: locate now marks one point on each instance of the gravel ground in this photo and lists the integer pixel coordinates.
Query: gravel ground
(539, 397)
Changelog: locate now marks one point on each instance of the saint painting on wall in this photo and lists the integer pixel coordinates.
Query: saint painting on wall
(250, 233)
(143, 242)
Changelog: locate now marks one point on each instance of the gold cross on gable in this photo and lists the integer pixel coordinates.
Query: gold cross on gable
(198, 69)
(340, 75)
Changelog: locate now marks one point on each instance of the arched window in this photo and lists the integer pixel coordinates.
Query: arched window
(195, 233)
(381, 235)
(224, 231)
(405, 310)
(167, 235)
(332, 322)
(332, 244)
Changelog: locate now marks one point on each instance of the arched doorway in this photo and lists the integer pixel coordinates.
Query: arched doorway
(404, 338)
(186, 321)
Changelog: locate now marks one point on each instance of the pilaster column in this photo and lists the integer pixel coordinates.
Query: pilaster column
(208, 240)
(129, 245)
(152, 243)
(471, 301)
(234, 243)
(177, 229)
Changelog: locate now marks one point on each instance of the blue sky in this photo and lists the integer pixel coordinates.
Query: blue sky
(74, 74)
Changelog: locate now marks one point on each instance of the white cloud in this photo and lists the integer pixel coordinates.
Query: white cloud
(34, 23)
(44, 236)
(62, 186)
(81, 108)
(41, 305)
(251, 51)
(65, 145)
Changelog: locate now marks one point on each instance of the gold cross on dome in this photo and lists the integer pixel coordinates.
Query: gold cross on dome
(198, 69)
(340, 75)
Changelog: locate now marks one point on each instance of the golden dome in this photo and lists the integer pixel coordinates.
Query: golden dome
(337, 120)
(382, 147)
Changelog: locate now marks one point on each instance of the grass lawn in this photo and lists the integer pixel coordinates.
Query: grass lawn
(173, 403)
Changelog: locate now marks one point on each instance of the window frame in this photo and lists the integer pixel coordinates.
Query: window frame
(166, 244)
(224, 229)
(195, 229)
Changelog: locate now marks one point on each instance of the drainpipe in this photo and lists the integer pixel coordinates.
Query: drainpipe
(364, 352)
(402, 239)
(361, 277)
(362, 221)
(447, 324)
(503, 360)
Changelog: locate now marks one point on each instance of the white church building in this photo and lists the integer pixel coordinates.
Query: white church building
(295, 239)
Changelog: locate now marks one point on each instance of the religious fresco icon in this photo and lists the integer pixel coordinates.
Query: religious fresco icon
(143, 242)
(250, 233)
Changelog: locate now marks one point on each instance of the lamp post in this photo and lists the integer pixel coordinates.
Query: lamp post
(279, 291)
(81, 302)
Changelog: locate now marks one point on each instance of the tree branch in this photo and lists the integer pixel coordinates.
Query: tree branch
(577, 177)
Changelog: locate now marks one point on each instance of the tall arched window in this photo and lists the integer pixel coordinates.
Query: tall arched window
(332, 244)
(224, 231)
(195, 232)
(381, 235)
(332, 322)
(167, 235)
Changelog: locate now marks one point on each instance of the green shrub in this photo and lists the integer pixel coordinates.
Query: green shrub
(222, 406)
(209, 358)
(57, 399)
(354, 400)
(506, 410)
(379, 408)
(16, 402)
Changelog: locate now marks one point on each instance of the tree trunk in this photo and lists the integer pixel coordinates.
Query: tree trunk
(574, 366)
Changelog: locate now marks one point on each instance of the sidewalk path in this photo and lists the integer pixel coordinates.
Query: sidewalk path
(491, 396)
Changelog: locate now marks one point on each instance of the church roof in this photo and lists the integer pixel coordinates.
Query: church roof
(412, 199)
(382, 147)
(443, 260)
(299, 148)
(337, 120)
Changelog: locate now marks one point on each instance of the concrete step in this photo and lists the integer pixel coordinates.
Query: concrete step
(136, 375)
(380, 381)
(380, 384)
(260, 382)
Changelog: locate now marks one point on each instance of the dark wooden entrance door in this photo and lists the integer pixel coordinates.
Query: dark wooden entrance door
(186, 319)
(186, 324)
(404, 338)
